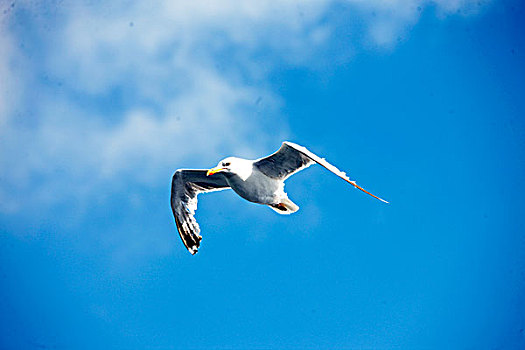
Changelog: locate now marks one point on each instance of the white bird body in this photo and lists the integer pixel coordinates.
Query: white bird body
(251, 190)
(258, 181)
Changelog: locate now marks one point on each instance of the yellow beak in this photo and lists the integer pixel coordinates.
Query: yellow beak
(214, 170)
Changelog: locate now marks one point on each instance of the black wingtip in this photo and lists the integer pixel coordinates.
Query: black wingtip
(193, 246)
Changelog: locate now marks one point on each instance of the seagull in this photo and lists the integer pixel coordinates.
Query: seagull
(258, 181)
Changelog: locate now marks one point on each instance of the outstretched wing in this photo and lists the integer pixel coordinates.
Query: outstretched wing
(185, 186)
(291, 158)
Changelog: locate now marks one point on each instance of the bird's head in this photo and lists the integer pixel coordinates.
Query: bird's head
(233, 165)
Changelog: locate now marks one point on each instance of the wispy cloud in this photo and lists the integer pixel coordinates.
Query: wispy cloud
(95, 93)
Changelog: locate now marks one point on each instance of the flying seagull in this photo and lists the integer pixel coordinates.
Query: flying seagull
(259, 181)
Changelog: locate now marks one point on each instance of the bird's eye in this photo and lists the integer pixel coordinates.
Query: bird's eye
(226, 164)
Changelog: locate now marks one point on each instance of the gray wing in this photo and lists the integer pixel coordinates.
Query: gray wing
(285, 162)
(291, 158)
(185, 186)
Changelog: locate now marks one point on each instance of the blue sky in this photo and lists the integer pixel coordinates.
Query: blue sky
(421, 102)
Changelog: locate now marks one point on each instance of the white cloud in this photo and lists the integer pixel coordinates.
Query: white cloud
(9, 88)
(129, 91)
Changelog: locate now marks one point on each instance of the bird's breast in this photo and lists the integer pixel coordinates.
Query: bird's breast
(256, 188)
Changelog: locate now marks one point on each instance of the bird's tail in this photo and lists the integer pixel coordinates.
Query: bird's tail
(285, 207)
